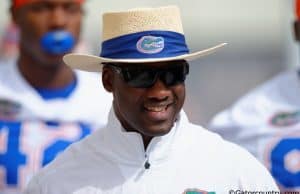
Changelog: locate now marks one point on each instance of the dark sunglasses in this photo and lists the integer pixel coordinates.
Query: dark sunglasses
(142, 76)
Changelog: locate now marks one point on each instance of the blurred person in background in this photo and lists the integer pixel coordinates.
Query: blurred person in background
(266, 121)
(44, 105)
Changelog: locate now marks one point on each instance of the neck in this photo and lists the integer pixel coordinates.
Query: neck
(45, 76)
(146, 139)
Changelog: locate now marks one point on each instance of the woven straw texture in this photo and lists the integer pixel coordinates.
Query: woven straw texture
(141, 19)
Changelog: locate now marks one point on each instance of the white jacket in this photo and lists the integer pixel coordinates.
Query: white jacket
(188, 158)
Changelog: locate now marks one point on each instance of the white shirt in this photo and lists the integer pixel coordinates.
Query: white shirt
(267, 123)
(33, 130)
(188, 158)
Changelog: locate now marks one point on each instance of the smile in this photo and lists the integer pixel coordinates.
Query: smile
(156, 108)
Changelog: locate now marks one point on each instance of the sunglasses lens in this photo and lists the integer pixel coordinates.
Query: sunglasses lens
(175, 75)
(145, 77)
(139, 77)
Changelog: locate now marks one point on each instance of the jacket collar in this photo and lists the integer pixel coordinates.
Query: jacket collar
(128, 148)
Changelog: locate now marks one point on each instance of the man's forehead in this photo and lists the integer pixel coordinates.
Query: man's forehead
(19, 3)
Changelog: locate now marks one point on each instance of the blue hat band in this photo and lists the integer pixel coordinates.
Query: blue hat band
(147, 44)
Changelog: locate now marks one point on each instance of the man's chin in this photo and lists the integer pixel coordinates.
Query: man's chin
(55, 57)
(53, 61)
(161, 130)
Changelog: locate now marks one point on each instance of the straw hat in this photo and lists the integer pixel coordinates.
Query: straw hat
(139, 36)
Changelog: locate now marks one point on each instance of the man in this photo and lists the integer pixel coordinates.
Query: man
(266, 121)
(148, 145)
(44, 105)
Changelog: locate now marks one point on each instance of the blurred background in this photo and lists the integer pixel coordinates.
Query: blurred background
(259, 36)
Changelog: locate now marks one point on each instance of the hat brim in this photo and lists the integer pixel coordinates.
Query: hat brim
(93, 63)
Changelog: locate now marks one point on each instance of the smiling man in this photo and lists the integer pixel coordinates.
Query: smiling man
(151, 111)
(148, 145)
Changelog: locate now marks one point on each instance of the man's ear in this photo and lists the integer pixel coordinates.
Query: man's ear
(16, 15)
(297, 30)
(107, 78)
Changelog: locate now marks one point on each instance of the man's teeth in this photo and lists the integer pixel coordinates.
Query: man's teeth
(156, 108)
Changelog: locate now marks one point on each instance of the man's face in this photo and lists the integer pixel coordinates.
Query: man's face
(42, 16)
(150, 111)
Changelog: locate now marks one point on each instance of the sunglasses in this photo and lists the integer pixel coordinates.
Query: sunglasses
(141, 76)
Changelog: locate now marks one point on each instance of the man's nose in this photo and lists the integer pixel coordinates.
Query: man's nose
(58, 18)
(158, 91)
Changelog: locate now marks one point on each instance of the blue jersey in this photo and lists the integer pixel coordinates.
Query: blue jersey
(37, 124)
